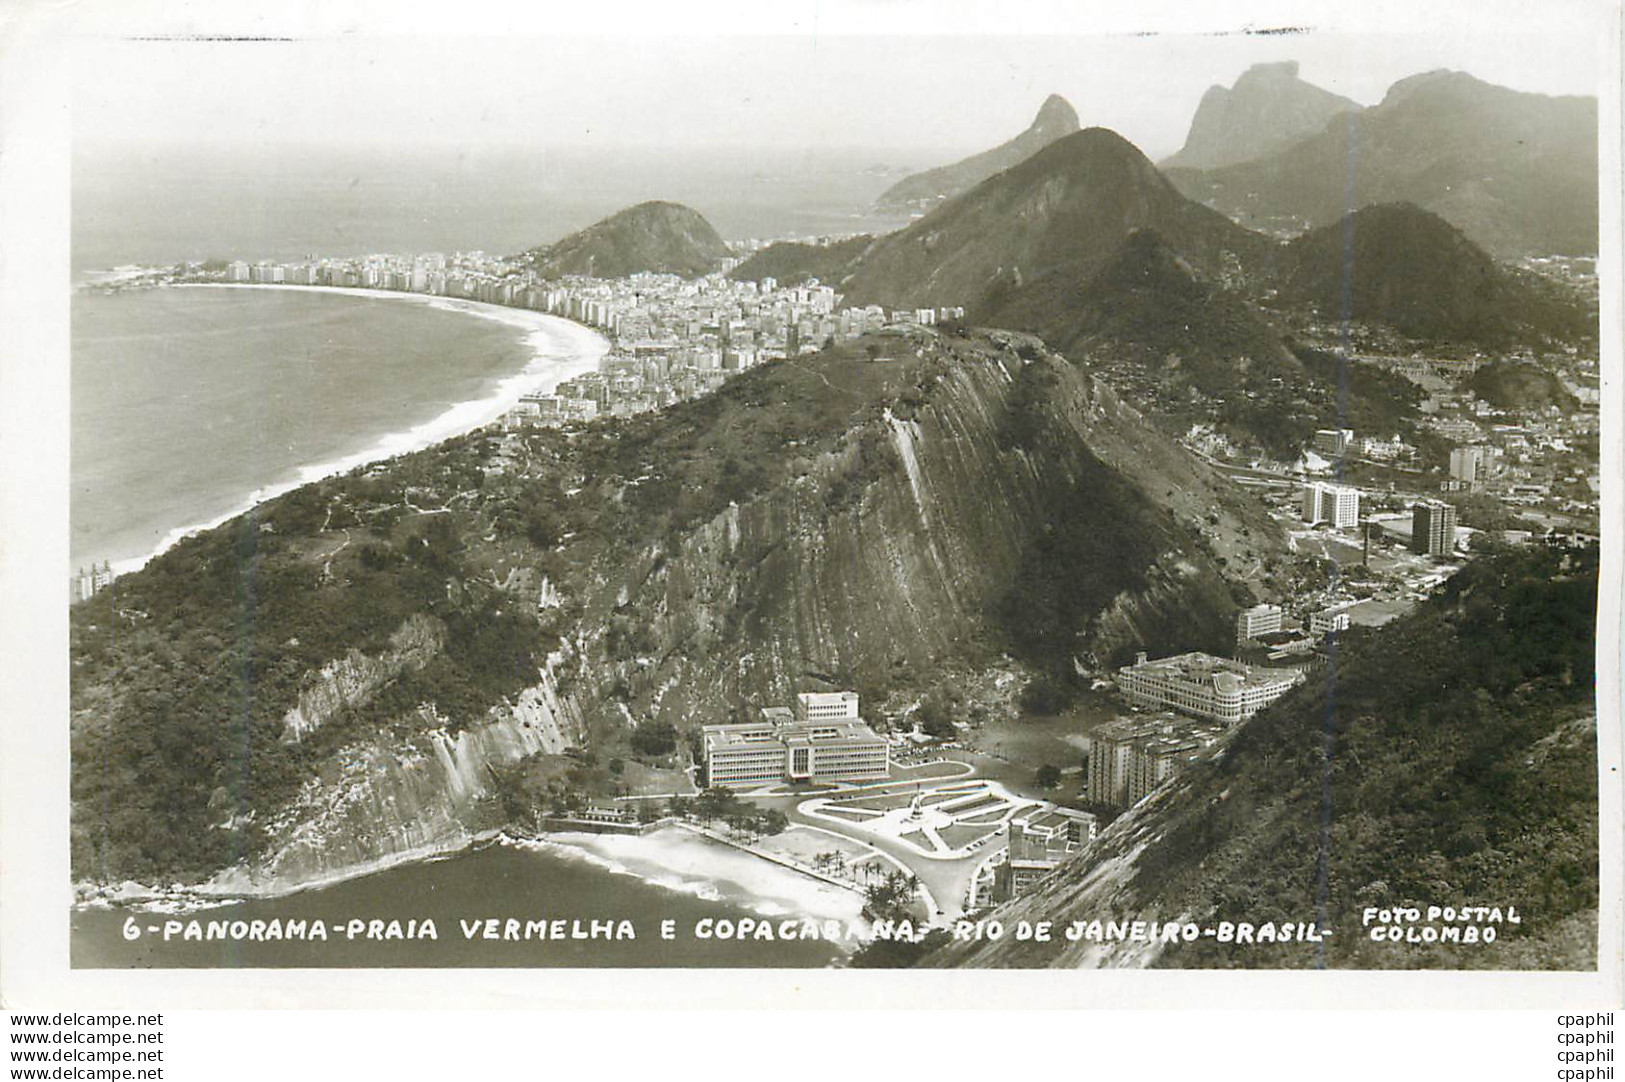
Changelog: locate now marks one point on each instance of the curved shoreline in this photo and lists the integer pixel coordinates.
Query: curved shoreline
(560, 349)
(682, 861)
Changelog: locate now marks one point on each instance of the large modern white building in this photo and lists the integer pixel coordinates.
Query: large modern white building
(1256, 621)
(1336, 504)
(1204, 686)
(1466, 463)
(814, 744)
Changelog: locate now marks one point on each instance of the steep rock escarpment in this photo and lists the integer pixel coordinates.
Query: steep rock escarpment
(908, 539)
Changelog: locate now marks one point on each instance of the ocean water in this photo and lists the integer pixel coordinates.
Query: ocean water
(186, 401)
(160, 205)
(496, 882)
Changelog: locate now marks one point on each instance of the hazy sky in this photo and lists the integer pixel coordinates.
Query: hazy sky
(904, 74)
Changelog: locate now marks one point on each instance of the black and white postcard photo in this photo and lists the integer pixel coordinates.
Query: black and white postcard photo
(1093, 499)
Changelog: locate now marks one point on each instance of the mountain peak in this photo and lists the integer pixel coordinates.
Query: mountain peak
(1403, 265)
(1066, 208)
(1057, 115)
(1281, 71)
(1516, 171)
(1268, 108)
(656, 236)
(921, 191)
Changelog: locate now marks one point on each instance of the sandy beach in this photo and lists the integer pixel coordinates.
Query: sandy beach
(680, 860)
(559, 349)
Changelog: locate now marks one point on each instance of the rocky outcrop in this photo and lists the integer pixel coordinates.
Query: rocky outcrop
(1267, 109)
(404, 794)
(895, 550)
(654, 237)
(356, 677)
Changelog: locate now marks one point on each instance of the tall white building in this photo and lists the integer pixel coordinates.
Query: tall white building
(1256, 621)
(1466, 463)
(1336, 504)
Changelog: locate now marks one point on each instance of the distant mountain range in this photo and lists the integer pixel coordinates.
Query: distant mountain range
(1056, 119)
(655, 237)
(1065, 210)
(1516, 172)
(1267, 110)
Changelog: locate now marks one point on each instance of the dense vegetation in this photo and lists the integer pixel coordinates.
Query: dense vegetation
(1456, 757)
(791, 263)
(653, 237)
(183, 672)
(1514, 386)
(1402, 266)
(1100, 537)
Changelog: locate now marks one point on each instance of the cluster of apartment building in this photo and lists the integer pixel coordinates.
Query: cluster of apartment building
(1270, 623)
(1337, 505)
(1197, 698)
(822, 739)
(87, 582)
(1130, 757)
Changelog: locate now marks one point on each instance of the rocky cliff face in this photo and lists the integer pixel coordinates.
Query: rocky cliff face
(1267, 109)
(897, 546)
(356, 677)
(405, 793)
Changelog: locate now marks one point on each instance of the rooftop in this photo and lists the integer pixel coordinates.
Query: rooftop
(1201, 667)
(1166, 729)
(762, 732)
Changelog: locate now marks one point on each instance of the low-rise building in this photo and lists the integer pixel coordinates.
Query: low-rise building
(1326, 621)
(1036, 845)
